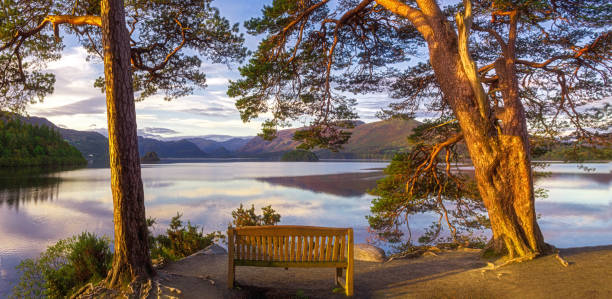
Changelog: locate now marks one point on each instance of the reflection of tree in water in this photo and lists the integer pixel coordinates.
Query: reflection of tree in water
(344, 184)
(19, 186)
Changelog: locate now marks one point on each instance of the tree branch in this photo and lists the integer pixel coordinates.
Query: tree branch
(54, 20)
(464, 24)
(493, 33)
(414, 15)
(137, 63)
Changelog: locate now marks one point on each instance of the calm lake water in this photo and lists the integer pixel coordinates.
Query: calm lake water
(37, 210)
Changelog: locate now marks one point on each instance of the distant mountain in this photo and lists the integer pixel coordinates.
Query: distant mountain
(282, 143)
(213, 137)
(94, 146)
(210, 147)
(235, 144)
(219, 148)
(369, 141)
(169, 149)
(379, 139)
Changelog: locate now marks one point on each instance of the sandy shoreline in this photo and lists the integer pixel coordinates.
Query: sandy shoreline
(450, 274)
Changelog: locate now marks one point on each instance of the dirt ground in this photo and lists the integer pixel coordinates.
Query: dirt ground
(450, 274)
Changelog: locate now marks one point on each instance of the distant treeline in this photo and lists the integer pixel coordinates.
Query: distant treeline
(299, 156)
(571, 153)
(23, 144)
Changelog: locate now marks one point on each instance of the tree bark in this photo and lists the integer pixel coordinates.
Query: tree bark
(499, 152)
(131, 258)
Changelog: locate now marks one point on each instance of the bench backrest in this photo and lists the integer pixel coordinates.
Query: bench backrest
(288, 243)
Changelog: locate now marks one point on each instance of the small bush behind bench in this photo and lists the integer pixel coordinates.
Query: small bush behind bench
(292, 246)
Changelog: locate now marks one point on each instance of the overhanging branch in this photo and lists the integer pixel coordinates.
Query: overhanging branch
(464, 24)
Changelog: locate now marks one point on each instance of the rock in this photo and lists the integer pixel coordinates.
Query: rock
(214, 249)
(369, 253)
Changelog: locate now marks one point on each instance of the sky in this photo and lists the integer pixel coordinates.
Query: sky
(76, 104)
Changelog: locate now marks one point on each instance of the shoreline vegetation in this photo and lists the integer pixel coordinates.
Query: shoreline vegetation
(71, 265)
(23, 144)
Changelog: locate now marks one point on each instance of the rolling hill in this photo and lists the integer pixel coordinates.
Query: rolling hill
(379, 139)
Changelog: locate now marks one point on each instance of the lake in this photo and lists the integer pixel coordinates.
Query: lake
(36, 210)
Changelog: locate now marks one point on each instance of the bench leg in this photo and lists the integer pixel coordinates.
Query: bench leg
(230, 276)
(231, 268)
(350, 265)
(337, 277)
(348, 287)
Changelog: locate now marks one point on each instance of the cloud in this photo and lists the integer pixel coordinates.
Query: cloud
(155, 132)
(159, 130)
(211, 111)
(219, 81)
(94, 105)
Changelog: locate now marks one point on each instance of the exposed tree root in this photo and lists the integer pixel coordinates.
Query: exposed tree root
(561, 260)
(551, 250)
(151, 288)
(491, 266)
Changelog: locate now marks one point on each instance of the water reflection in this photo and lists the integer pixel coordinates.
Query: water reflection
(20, 186)
(37, 209)
(344, 184)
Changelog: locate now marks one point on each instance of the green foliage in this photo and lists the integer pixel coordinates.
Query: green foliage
(300, 156)
(169, 39)
(181, 240)
(415, 183)
(23, 144)
(64, 267)
(247, 217)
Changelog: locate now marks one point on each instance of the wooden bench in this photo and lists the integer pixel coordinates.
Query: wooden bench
(290, 246)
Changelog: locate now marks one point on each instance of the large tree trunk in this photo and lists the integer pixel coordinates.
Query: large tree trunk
(131, 259)
(499, 152)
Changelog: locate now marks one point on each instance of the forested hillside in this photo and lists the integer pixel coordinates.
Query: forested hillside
(23, 144)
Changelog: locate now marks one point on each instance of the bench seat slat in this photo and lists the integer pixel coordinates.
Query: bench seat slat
(336, 250)
(328, 255)
(299, 245)
(290, 264)
(288, 231)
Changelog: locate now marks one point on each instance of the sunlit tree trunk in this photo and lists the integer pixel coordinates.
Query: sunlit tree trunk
(499, 151)
(131, 258)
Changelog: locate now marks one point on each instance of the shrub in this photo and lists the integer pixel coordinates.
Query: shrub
(64, 267)
(180, 240)
(247, 217)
